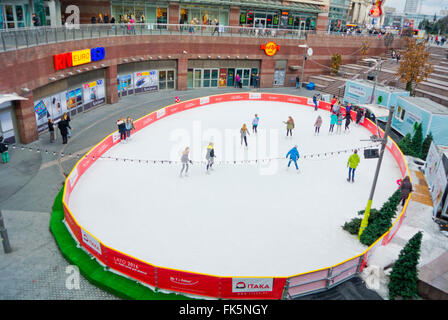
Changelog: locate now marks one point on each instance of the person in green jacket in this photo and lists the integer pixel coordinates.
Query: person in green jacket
(352, 163)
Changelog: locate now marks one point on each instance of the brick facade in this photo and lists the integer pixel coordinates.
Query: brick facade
(38, 65)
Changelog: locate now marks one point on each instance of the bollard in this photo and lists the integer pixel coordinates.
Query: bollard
(4, 235)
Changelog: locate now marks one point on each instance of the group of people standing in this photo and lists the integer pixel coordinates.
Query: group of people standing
(63, 126)
(125, 127)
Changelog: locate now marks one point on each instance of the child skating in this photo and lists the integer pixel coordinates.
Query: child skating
(339, 124)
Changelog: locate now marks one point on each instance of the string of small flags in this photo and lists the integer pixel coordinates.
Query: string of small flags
(314, 156)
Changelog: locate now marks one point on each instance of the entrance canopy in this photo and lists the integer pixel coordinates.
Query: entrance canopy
(10, 97)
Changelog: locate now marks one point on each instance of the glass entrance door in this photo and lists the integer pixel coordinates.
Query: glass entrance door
(244, 76)
(206, 78)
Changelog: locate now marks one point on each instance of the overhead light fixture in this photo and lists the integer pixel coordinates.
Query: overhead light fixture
(150, 58)
(102, 65)
(169, 57)
(79, 71)
(125, 60)
(61, 76)
(52, 78)
(95, 67)
(228, 57)
(209, 57)
(247, 57)
(25, 89)
(70, 73)
(87, 69)
(185, 52)
(199, 57)
(133, 59)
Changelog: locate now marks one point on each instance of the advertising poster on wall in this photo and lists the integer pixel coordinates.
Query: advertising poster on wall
(74, 99)
(222, 77)
(94, 94)
(145, 81)
(124, 83)
(52, 107)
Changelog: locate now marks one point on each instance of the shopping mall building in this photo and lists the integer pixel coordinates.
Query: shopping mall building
(57, 69)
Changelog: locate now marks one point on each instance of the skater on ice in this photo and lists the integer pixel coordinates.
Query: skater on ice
(315, 102)
(333, 102)
(210, 155)
(358, 115)
(317, 124)
(348, 119)
(289, 126)
(244, 132)
(333, 121)
(293, 157)
(352, 163)
(185, 161)
(255, 122)
(339, 124)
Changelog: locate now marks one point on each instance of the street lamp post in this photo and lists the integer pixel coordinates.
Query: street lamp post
(365, 219)
(307, 51)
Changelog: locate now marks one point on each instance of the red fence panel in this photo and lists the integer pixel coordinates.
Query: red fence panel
(131, 267)
(252, 288)
(188, 282)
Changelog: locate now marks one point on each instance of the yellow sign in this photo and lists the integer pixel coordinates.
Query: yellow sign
(270, 48)
(81, 57)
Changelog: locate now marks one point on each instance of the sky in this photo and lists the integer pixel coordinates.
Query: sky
(428, 6)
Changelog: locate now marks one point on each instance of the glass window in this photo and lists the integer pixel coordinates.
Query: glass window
(162, 76)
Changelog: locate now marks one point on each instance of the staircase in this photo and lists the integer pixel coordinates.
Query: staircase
(434, 88)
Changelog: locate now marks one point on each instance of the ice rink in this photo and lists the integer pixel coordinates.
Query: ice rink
(243, 219)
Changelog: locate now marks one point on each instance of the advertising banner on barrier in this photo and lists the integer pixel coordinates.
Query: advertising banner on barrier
(76, 230)
(131, 267)
(252, 288)
(199, 284)
(252, 284)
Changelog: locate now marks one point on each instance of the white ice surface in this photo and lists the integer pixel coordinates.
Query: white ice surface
(242, 220)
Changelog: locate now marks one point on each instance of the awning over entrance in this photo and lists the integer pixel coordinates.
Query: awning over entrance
(10, 97)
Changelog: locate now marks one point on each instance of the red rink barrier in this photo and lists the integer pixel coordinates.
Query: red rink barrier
(188, 282)
(131, 267)
(210, 285)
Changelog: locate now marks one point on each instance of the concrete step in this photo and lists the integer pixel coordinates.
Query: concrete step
(442, 99)
(435, 88)
(324, 81)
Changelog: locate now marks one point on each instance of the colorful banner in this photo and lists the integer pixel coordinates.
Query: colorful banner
(94, 94)
(51, 107)
(146, 81)
(125, 85)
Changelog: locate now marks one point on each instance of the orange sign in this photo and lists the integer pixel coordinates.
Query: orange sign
(270, 48)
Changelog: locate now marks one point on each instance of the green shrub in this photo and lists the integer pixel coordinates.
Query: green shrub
(404, 276)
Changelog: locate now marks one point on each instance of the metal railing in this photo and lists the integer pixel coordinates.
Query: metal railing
(35, 36)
